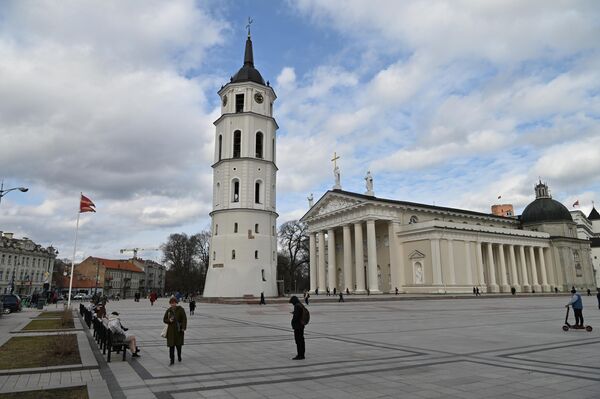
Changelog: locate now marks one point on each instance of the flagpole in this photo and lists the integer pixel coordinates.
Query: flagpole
(73, 259)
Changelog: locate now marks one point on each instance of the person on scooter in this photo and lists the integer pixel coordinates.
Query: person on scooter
(577, 305)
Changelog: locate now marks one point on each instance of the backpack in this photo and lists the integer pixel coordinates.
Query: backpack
(305, 315)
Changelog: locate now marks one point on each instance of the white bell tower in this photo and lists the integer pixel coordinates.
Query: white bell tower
(243, 248)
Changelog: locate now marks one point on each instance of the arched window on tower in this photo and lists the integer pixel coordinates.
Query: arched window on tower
(257, 192)
(233, 254)
(255, 254)
(273, 151)
(235, 227)
(237, 144)
(259, 145)
(220, 146)
(235, 190)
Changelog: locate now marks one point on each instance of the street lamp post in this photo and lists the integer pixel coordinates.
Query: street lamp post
(3, 192)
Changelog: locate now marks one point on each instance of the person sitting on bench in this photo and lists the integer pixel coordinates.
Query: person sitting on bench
(114, 323)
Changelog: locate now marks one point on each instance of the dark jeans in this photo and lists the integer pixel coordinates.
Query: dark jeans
(299, 337)
(578, 317)
(172, 352)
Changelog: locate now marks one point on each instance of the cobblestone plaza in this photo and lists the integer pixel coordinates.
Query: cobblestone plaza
(489, 347)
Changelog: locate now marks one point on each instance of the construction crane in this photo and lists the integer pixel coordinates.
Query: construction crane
(136, 250)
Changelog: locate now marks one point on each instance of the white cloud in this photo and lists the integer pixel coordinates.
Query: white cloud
(287, 78)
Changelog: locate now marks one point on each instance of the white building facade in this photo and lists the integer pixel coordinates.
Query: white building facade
(24, 265)
(363, 243)
(244, 234)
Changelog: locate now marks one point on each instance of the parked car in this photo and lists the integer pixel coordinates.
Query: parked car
(11, 303)
(80, 296)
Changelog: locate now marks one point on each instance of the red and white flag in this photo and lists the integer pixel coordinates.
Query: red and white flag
(576, 203)
(86, 205)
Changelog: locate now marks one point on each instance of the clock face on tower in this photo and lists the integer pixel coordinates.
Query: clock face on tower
(224, 100)
(258, 98)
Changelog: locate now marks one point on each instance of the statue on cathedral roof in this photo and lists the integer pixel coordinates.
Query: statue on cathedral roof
(369, 184)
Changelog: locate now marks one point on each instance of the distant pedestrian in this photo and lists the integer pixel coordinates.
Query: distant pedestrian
(192, 305)
(328, 292)
(347, 291)
(577, 304)
(298, 323)
(474, 291)
(152, 298)
(556, 290)
(262, 299)
(176, 320)
(477, 292)
(307, 297)
(317, 291)
(589, 292)
(513, 290)
(396, 290)
(333, 291)
(341, 297)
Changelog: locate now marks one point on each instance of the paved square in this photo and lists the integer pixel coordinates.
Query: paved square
(463, 348)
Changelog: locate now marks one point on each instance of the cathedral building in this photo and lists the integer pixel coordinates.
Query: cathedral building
(243, 259)
(364, 243)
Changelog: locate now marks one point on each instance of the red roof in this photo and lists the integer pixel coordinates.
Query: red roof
(118, 264)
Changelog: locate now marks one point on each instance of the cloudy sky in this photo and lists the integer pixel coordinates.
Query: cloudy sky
(446, 102)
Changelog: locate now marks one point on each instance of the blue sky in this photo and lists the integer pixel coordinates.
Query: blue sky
(446, 102)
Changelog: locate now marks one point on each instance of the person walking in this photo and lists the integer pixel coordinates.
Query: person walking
(341, 297)
(298, 327)
(262, 299)
(589, 292)
(192, 305)
(307, 297)
(577, 304)
(152, 298)
(176, 320)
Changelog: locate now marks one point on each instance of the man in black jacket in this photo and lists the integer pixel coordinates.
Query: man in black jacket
(298, 327)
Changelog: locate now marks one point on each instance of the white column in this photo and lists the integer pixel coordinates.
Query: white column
(321, 283)
(331, 266)
(436, 266)
(468, 263)
(545, 285)
(534, 275)
(503, 283)
(347, 259)
(394, 249)
(312, 249)
(372, 257)
(491, 268)
(479, 260)
(524, 277)
(359, 259)
(513, 269)
(451, 269)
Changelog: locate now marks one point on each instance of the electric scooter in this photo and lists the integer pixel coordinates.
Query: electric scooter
(568, 327)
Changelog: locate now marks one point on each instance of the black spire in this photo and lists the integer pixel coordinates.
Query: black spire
(248, 56)
(247, 72)
(594, 215)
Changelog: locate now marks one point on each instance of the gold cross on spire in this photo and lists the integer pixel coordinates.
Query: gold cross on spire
(250, 20)
(334, 159)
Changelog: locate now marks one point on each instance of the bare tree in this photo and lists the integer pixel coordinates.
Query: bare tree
(187, 257)
(293, 259)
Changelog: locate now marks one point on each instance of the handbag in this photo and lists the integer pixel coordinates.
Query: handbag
(164, 331)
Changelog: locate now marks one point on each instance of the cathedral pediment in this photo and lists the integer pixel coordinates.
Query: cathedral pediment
(335, 204)
(329, 204)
